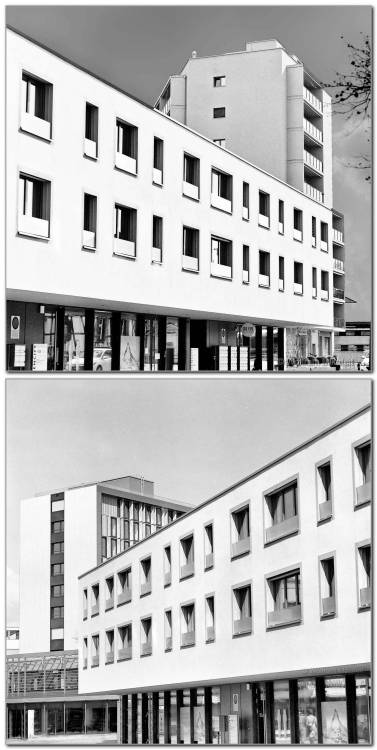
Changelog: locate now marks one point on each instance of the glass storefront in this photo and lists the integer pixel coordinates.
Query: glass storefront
(95, 717)
(171, 362)
(307, 712)
(49, 338)
(74, 718)
(129, 343)
(363, 706)
(102, 342)
(74, 340)
(334, 712)
(55, 718)
(282, 722)
(151, 352)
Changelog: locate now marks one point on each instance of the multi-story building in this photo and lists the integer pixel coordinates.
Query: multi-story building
(247, 620)
(136, 243)
(353, 344)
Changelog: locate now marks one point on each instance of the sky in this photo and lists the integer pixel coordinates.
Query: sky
(192, 436)
(139, 47)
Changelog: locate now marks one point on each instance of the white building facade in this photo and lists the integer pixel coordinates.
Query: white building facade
(248, 619)
(136, 243)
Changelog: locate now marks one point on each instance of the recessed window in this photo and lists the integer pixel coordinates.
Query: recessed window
(281, 273)
(327, 586)
(188, 625)
(245, 264)
(125, 231)
(314, 231)
(220, 142)
(298, 278)
(218, 112)
(281, 217)
(57, 569)
(297, 224)
(95, 599)
(126, 153)
(34, 206)
(158, 161)
(146, 636)
(168, 630)
(57, 548)
(240, 531)
(210, 618)
(85, 653)
(242, 616)
(95, 650)
(324, 236)
(281, 512)
(156, 244)
(145, 576)
(324, 491)
(57, 591)
(219, 81)
(85, 604)
(208, 546)
(124, 586)
(91, 131)
(264, 210)
(187, 556)
(221, 258)
(57, 527)
(36, 110)
(364, 575)
(90, 222)
(125, 642)
(325, 285)
(109, 592)
(363, 472)
(109, 646)
(190, 252)
(167, 565)
(245, 200)
(57, 613)
(264, 269)
(191, 176)
(283, 599)
(221, 190)
(314, 283)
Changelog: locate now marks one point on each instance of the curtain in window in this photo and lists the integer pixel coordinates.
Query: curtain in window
(365, 462)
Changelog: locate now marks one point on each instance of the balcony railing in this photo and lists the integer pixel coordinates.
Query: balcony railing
(190, 263)
(187, 570)
(241, 547)
(328, 605)
(281, 285)
(264, 221)
(365, 597)
(109, 658)
(325, 510)
(210, 633)
(124, 247)
(313, 193)
(364, 493)
(156, 255)
(338, 293)
(126, 163)
(95, 609)
(244, 625)
(297, 288)
(337, 236)
(263, 280)
(90, 148)
(284, 616)
(245, 213)
(314, 292)
(109, 603)
(167, 578)
(168, 643)
(190, 190)
(338, 265)
(312, 100)
(312, 161)
(209, 560)
(145, 588)
(146, 649)
(339, 323)
(157, 176)
(224, 204)
(188, 639)
(223, 272)
(88, 239)
(125, 596)
(312, 131)
(325, 294)
(95, 661)
(125, 653)
(245, 276)
(297, 234)
(278, 530)
(34, 226)
(36, 125)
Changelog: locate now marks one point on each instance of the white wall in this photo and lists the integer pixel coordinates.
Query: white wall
(35, 517)
(311, 645)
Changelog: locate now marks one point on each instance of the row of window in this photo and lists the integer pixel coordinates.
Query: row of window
(283, 599)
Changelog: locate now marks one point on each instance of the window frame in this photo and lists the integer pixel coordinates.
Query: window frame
(354, 448)
(120, 121)
(216, 115)
(318, 465)
(189, 603)
(274, 490)
(183, 538)
(210, 595)
(46, 182)
(266, 216)
(211, 563)
(49, 95)
(219, 78)
(146, 587)
(126, 624)
(285, 572)
(358, 546)
(322, 558)
(236, 587)
(245, 548)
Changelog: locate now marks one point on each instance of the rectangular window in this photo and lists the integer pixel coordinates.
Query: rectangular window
(298, 278)
(168, 630)
(126, 153)
(158, 518)
(240, 531)
(190, 254)
(95, 650)
(218, 112)
(157, 239)
(314, 283)
(90, 221)
(104, 547)
(57, 569)
(91, 131)
(57, 613)
(187, 556)
(324, 491)
(221, 258)
(113, 520)
(281, 217)
(221, 190)
(147, 512)
(297, 224)
(245, 264)
(124, 642)
(363, 472)
(85, 604)
(281, 273)
(281, 512)
(245, 200)
(283, 599)
(146, 637)
(364, 575)
(325, 285)
(95, 599)
(314, 231)
(264, 210)
(57, 527)
(242, 615)
(57, 591)
(125, 231)
(327, 586)
(324, 236)
(220, 142)
(219, 81)
(145, 576)
(57, 548)
(109, 592)
(158, 161)
(191, 176)
(264, 269)
(187, 625)
(85, 653)
(124, 586)
(34, 206)
(210, 618)
(57, 502)
(36, 109)
(307, 709)
(109, 646)
(167, 565)
(208, 546)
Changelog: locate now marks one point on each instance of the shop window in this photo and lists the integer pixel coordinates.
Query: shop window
(281, 217)
(167, 565)
(363, 709)
(281, 273)
(187, 556)
(307, 711)
(314, 283)
(109, 646)
(282, 715)
(264, 210)
(129, 343)
(36, 109)
(221, 190)
(85, 604)
(188, 625)
(158, 161)
(334, 712)
(283, 599)
(124, 586)
(221, 258)
(74, 718)
(146, 637)
(327, 586)
(240, 531)
(74, 340)
(168, 630)
(145, 576)
(90, 222)
(324, 236)
(297, 224)
(245, 264)
(363, 472)
(218, 112)
(34, 206)
(157, 239)
(298, 278)
(245, 200)
(324, 491)
(91, 131)
(363, 559)
(125, 231)
(219, 81)
(85, 653)
(125, 642)
(264, 269)
(126, 153)
(95, 650)
(190, 259)
(314, 231)
(102, 349)
(242, 615)
(325, 285)
(109, 592)
(191, 176)
(95, 599)
(281, 512)
(210, 618)
(208, 546)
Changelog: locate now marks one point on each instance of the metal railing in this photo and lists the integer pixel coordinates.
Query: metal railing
(337, 236)
(312, 161)
(27, 675)
(339, 323)
(312, 100)
(312, 192)
(338, 264)
(338, 293)
(312, 131)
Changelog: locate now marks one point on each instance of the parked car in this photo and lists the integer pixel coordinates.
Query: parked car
(101, 360)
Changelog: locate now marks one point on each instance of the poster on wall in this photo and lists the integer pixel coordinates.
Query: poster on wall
(185, 725)
(15, 325)
(30, 723)
(199, 725)
(233, 729)
(39, 358)
(194, 359)
(19, 355)
(334, 722)
(130, 352)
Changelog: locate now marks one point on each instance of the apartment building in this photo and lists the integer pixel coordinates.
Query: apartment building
(136, 243)
(247, 620)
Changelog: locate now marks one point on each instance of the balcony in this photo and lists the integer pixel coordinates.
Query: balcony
(95, 661)
(298, 289)
(188, 639)
(325, 510)
(312, 162)
(338, 265)
(208, 561)
(264, 281)
(168, 643)
(264, 221)
(337, 237)
(190, 263)
(284, 528)
(281, 285)
(241, 547)
(109, 658)
(88, 239)
(217, 201)
(241, 626)
(365, 597)
(145, 588)
(36, 125)
(312, 100)
(166, 107)
(157, 176)
(90, 148)
(109, 603)
(167, 578)
(245, 276)
(210, 634)
(124, 597)
(245, 213)
(125, 248)
(325, 294)
(30, 225)
(339, 323)
(223, 272)
(95, 609)
(338, 294)
(284, 616)
(313, 193)
(125, 653)
(146, 649)
(187, 570)
(125, 163)
(364, 493)
(312, 131)
(156, 255)
(190, 190)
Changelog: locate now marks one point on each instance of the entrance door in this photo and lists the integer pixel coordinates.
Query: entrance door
(151, 353)
(259, 711)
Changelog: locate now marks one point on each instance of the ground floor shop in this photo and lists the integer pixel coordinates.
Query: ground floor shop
(331, 709)
(306, 345)
(61, 338)
(52, 717)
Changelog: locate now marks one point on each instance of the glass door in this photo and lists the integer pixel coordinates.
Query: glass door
(259, 710)
(151, 353)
